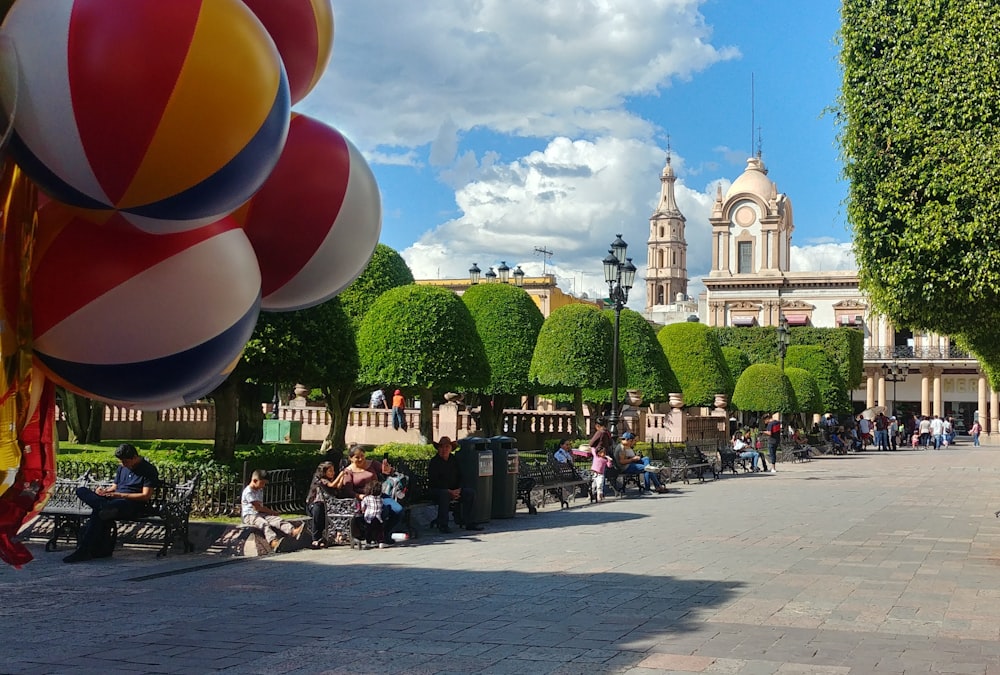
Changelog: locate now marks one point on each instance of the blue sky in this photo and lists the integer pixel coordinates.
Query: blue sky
(499, 126)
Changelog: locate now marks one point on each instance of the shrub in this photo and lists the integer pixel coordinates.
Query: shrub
(694, 354)
(764, 388)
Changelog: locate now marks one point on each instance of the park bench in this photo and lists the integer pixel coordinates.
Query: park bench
(691, 459)
(549, 477)
(169, 509)
(794, 452)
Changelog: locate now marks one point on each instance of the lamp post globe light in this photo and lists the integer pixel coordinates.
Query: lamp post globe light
(503, 277)
(894, 373)
(619, 272)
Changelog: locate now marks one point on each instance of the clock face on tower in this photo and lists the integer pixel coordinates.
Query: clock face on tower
(745, 216)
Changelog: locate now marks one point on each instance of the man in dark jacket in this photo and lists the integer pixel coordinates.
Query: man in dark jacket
(444, 477)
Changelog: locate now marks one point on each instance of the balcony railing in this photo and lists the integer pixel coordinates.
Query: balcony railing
(916, 353)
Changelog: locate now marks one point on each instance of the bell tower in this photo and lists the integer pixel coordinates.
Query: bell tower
(666, 268)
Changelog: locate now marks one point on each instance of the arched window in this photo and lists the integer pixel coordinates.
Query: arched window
(675, 258)
(659, 295)
(659, 258)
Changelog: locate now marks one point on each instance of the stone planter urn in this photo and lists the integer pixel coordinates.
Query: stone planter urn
(721, 401)
(633, 397)
(301, 391)
(676, 400)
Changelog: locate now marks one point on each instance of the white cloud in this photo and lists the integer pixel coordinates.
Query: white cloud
(402, 72)
(822, 257)
(570, 198)
(408, 158)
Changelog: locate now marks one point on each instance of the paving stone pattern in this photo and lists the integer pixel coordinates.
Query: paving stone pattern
(869, 563)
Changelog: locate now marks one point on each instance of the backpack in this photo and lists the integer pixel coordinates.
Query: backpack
(395, 485)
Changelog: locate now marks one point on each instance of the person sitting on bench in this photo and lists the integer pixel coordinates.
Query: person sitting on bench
(124, 499)
(630, 462)
(444, 477)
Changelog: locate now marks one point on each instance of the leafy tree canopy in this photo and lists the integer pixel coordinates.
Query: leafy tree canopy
(921, 137)
(421, 336)
(386, 269)
(643, 364)
(693, 352)
(764, 388)
(573, 350)
(736, 361)
(807, 398)
(508, 322)
(834, 395)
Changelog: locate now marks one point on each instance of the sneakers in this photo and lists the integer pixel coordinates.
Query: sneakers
(77, 556)
(384, 545)
(773, 470)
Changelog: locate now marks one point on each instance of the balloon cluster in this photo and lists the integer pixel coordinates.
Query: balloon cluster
(181, 194)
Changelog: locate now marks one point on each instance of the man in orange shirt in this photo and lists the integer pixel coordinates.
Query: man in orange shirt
(398, 410)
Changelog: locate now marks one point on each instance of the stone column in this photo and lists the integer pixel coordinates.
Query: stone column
(716, 239)
(938, 393)
(869, 388)
(880, 380)
(726, 263)
(981, 400)
(994, 417)
(447, 421)
(925, 392)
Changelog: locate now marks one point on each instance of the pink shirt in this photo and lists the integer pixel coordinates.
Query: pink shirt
(600, 464)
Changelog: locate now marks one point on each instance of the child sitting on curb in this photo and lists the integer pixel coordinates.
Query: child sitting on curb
(256, 515)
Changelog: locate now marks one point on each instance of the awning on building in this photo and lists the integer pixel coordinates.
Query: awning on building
(797, 319)
(744, 320)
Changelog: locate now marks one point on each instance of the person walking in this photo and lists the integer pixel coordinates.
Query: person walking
(772, 431)
(974, 431)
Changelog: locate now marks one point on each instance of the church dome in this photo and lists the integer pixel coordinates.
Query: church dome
(753, 181)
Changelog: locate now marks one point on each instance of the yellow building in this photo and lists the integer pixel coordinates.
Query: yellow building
(543, 291)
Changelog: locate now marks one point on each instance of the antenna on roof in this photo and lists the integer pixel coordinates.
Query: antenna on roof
(753, 122)
(760, 143)
(546, 255)
(668, 149)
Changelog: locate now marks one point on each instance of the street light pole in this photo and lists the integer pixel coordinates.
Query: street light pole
(782, 340)
(619, 272)
(894, 373)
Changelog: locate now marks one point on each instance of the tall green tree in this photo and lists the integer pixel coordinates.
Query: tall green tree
(642, 363)
(573, 352)
(385, 270)
(694, 354)
(920, 139)
(84, 416)
(763, 388)
(736, 361)
(834, 394)
(807, 397)
(422, 337)
(508, 322)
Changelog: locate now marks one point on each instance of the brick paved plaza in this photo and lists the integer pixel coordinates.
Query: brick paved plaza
(857, 564)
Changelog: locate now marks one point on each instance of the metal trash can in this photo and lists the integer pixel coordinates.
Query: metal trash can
(505, 465)
(476, 461)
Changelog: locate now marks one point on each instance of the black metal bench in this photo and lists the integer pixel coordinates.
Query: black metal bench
(691, 459)
(548, 478)
(170, 508)
(795, 452)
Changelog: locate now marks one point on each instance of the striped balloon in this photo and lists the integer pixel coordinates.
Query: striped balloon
(303, 32)
(173, 112)
(139, 319)
(316, 220)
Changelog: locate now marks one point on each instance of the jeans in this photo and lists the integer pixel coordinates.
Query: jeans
(318, 512)
(398, 419)
(882, 439)
(126, 508)
(648, 477)
(772, 452)
(938, 441)
(753, 456)
(466, 500)
(975, 440)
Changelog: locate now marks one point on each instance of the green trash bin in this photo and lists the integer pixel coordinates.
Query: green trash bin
(476, 461)
(505, 466)
(282, 431)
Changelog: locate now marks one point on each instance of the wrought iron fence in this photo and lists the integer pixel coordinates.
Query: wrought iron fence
(904, 352)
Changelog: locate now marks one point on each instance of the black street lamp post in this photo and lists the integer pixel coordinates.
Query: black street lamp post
(474, 273)
(503, 275)
(619, 272)
(783, 338)
(894, 373)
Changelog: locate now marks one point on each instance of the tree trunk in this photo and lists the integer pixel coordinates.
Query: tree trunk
(581, 425)
(426, 415)
(338, 404)
(226, 397)
(84, 417)
(250, 429)
(491, 414)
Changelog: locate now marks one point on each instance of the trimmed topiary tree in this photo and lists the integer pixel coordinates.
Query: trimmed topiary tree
(642, 365)
(508, 322)
(834, 395)
(386, 269)
(807, 398)
(763, 388)
(736, 361)
(573, 352)
(693, 352)
(422, 337)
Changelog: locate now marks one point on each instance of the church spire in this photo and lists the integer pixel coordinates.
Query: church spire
(667, 249)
